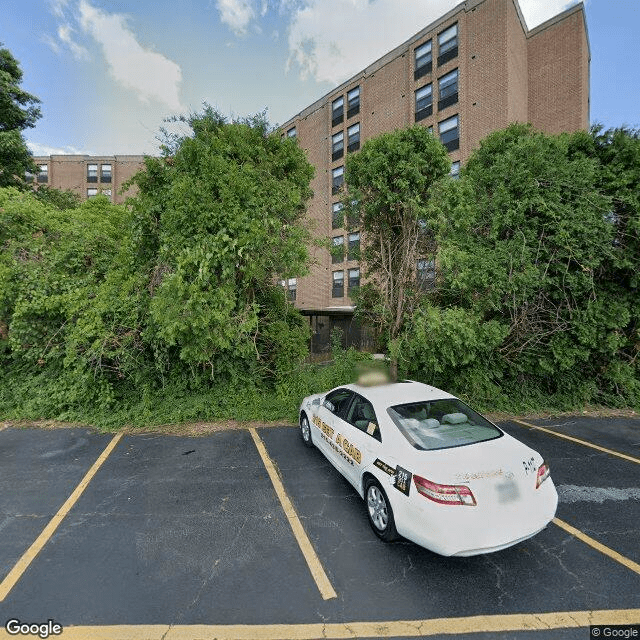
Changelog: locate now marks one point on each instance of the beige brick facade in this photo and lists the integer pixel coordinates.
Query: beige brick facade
(88, 175)
(506, 73)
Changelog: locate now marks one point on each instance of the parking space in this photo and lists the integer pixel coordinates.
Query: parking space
(171, 530)
(551, 572)
(38, 472)
(174, 532)
(599, 493)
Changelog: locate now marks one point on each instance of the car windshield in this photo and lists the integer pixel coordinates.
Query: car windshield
(440, 424)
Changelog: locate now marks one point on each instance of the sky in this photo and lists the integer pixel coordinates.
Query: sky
(108, 72)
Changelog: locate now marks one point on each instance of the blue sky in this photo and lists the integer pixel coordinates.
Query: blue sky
(109, 71)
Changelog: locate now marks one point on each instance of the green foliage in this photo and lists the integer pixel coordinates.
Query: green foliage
(58, 198)
(217, 223)
(18, 111)
(532, 296)
(116, 313)
(390, 184)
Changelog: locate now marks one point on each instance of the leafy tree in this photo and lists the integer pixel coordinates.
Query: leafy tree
(390, 184)
(18, 111)
(525, 243)
(618, 151)
(59, 198)
(217, 221)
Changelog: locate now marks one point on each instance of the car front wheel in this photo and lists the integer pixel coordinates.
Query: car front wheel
(380, 512)
(305, 431)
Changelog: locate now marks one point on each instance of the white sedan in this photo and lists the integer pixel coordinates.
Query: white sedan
(430, 468)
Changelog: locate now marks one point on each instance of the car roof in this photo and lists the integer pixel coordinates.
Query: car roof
(391, 394)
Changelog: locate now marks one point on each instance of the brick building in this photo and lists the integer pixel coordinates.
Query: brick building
(473, 71)
(88, 175)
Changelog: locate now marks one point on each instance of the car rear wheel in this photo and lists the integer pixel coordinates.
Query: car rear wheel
(380, 512)
(305, 431)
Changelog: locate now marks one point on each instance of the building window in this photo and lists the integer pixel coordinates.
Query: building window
(43, 173)
(353, 216)
(337, 215)
(424, 102)
(337, 145)
(92, 173)
(353, 137)
(353, 102)
(337, 179)
(423, 60)
(354, 246)
(337, 249)
(450, 133)
(92, 192)
(426, 273)
(448, 44)
(354, 279)
(107, 192)
(292, 286)
(291, 133)
(337, 111)
(448, 90)
(455, 170)
(337, 291)
(105, 173)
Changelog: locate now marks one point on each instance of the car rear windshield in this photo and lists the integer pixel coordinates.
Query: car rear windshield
(440, 424)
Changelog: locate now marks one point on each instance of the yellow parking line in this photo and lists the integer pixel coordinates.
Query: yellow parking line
(395, 628)
(624, 456)
(317, 571)
(21, 566)
(614, 555)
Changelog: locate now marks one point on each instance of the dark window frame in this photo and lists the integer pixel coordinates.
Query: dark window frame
(423, 106)
(353, 286)
(337, 113)
(448, 49)
(90, 176)
(106, 176)
(337, 147)
(337, 291)
(337, 180)
(448, 95)
(450, 142)
(422, 68)
(353, 104)
(42, 176)
(353, 140)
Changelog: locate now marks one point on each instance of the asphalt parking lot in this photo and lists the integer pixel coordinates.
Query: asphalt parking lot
(148, 536)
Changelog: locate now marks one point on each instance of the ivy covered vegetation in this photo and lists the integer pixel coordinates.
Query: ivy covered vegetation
(168, 309)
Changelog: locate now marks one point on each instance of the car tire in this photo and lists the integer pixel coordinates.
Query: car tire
(379, 511)
(305, 431)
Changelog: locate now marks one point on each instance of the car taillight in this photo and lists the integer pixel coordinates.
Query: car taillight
(543, 473)
(444, 493)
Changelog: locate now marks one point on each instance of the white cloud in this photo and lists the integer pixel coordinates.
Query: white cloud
(331, 40)
(58, 7)
(236, 14)
(38, 149)
(78, 51)
(537, 11)
(148, 73)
